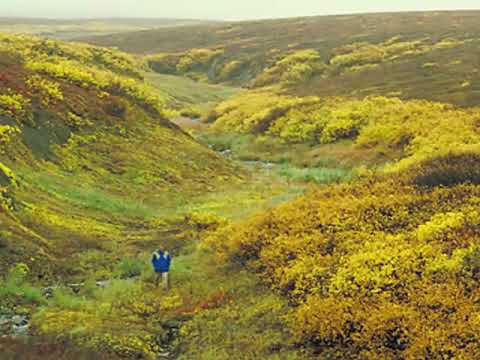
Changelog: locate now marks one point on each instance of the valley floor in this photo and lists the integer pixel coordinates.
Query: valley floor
(198, 318)
(329, 209)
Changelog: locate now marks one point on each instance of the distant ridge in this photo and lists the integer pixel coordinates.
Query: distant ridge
(69, 29)
(420, 55)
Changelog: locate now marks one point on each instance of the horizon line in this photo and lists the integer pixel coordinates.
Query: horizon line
(88, 18)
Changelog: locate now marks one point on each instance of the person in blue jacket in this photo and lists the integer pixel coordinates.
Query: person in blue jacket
(161, 261)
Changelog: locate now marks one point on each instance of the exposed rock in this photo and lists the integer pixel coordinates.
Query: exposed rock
(19, 331)
(14, 326)
(226, 153)
(163, 355)
(19, 320)
(5, 324)
(49, 291)
(103, 284)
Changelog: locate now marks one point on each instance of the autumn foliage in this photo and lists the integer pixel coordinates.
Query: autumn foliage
(374, 268)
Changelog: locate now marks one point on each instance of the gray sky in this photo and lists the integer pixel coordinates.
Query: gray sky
(217, 9)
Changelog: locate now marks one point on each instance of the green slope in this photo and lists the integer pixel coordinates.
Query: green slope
(87, 151)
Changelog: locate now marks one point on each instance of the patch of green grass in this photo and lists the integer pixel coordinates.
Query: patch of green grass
(183, 92)
(24, 293)
(343, 155)
(235, 203)
(225, 141)
(16, 290)
(86, 196)
(65, 299)
(130, 267)
(316, 175)
(230, 312)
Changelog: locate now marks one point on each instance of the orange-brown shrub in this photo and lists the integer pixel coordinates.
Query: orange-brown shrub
(374, 269)
(450, 169)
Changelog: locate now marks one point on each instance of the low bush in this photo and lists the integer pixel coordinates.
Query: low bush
(15, 290)
(191, 112)
(226, 332)
(294, 68)
(14, 105)
(373, 268)
(403, 131)
(446, 170)
(49, 91)
(113, 320)
(128, 268)
(48, 349)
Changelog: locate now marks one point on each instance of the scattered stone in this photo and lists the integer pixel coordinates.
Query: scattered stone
(75, 287)
(4, 320)
(103, 284)
(264, 164)
(5, 324)
(14, 326)
(48, 291)
(163, 355)
(19, 320)
(19, 331)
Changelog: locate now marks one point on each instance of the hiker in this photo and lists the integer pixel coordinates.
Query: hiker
(161, 261)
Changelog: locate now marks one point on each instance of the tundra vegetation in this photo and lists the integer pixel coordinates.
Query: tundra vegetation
(351, 231)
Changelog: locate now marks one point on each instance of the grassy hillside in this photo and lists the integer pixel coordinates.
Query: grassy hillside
(71, 29)
(395, 132)
(86, 151)
(187, 97)
(411, 55)
(385, 265)
(369, 250)
(93, 178)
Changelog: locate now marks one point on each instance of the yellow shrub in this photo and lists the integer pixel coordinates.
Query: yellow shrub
(15, 105)
(196, 59)
(374, 268)
(7, 133)
(364, 55)
(49, 90)
(410, 131)
(293, 68)
(6, 172)
(440, 225)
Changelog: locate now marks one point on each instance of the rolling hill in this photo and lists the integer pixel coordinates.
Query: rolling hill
(86, 150)
(93, 178)
(376, 256)
(70, 29)
(429, 55)
(386, 264)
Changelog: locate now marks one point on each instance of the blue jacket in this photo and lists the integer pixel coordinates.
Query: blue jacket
(161, 261)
